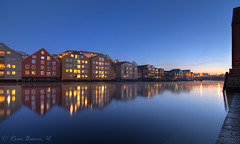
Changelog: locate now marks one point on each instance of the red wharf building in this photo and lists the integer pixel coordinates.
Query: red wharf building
(40, 65)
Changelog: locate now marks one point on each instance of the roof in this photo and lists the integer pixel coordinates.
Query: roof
(120, 63)
(11, 49)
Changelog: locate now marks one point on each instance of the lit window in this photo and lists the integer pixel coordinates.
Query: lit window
(42, 61)
(42, 67)
(54, 63)
(82, 66)
(96, 62)
(70, 70)
(42, 72)
(8, 52)
(79, 61)
(42, 52)
(48, 73)
(75, 71)
(8, 72)
(48, 58)
(13, 72)
(83, 76)
(8, 66)
(78, 76)
(86, 76)
(82, 61)
(86, 62)
(79, 71)
(33, 67)
(76, 56)
(33, 61)
(2, 53)
(82, 71)
(13, 66)
(72, 55)
(33, 72)
(42, 57)
(96, 72)
(79, 66)
(34, 56)
(67, 70)
(26, 72)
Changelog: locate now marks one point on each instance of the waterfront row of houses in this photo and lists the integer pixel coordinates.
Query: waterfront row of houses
(75, 65)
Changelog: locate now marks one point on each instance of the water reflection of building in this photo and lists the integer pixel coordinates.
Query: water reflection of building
(10, 100)
(126, 91)
(86, 96)
(41, 98)
(151, 89)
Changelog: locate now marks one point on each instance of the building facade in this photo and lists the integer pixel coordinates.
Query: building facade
(75, 66)
(40, 66)
(101, 68)
(147, 72)
(125, 71)
(10, 64)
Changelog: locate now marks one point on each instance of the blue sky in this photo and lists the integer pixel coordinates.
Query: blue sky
(186, 34)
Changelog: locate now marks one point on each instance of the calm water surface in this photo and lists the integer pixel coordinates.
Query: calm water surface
(141, 112)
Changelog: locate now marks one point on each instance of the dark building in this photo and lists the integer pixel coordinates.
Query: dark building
(233, 78)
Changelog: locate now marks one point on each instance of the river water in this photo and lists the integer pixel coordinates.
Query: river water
(105, 112)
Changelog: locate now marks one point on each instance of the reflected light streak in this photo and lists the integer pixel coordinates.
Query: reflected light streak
(201, 89)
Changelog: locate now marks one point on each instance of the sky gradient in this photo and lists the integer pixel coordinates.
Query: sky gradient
(168, 34)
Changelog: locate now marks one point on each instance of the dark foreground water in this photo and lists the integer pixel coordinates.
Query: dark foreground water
(144, 112)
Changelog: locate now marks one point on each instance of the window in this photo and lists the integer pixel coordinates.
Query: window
(8, 52)
(76, 56)
(78, 76)
(86, 62)
(67, 70)
(79, 61)
(42, 61)
(70, 60)
(79, 66)
(26, 72)
(82, 71)
(33, 61)
(79, 71)
(48, 63)
(42, 67)
(2, 53)
(81, 56)
(72, 55)
(42, 52)
(42, 57)
(48, 68)
(93, 62)
(8, 59)
(13, 72)
(33, 72)
(70, 70)
(8, 66)
(86, 66)
(54, 73)
(13, 66)
(82, 66)
(75, 71)
(67, 65)
(53, 63)
(85, 76)
(13, 59)
(85, 71)
(34, 56)
(48, 73)
(26, 92)
(70, 65)
(1, 73)
(67, 60)
(48, 58)
(54, 68)
(42, 72)
(33, 67)
(42, 91)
